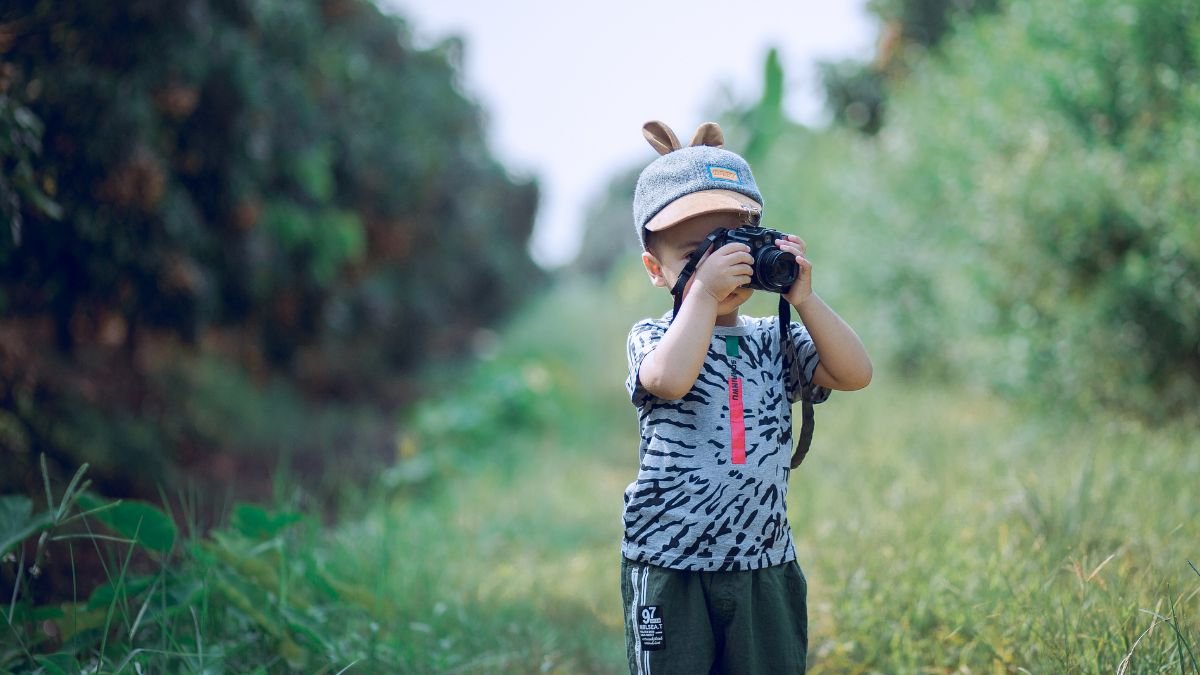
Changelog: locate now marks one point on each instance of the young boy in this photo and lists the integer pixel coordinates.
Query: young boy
(710, 581)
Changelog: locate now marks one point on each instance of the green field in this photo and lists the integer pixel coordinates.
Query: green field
(942, 530)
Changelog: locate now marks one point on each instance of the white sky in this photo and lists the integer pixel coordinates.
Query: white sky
(567, 86)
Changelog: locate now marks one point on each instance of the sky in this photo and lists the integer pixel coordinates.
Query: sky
(566, 86)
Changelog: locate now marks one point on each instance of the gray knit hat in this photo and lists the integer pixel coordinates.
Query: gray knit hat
(688, 182)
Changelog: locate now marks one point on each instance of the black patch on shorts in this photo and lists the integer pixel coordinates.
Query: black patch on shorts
(650, 627)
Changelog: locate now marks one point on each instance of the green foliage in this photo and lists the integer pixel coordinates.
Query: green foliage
(254, 596)
(516, 385)
(855, 93)
(327, 241)
(764, 122)
(608, 235)
(927, 22)
(998, 537)
(20, 146)
(17, 521)
(502, 396)
(255, 522)
(1050, 212)
(1022, 221)
(284, 189)
(139, 522)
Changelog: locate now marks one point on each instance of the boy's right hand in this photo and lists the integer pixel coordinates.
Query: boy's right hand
(723, 271)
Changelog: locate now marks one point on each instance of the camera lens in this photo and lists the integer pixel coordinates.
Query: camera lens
(775, 269)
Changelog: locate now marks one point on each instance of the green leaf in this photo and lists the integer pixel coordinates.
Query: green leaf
(313, 170)
(60, 663)
(105, 593)
(413, 471)
(258, 523)
(17, 521)
(78, 619)
(14, 509)
(46, 205)
(137, 520)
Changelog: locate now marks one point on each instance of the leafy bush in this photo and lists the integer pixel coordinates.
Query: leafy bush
(1046, 161)
(292, 188)
(927, 22)
(255, 594)
(1025, 219)
(856, 91)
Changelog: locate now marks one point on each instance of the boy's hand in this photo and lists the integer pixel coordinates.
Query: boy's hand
(801, 289)
(723, 271)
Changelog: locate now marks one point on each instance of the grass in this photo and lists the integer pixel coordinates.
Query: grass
(941, 529)
(949, 529)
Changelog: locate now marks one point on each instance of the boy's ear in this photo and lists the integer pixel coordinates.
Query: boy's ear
(654, 269)
(709, 134)
(661, 137)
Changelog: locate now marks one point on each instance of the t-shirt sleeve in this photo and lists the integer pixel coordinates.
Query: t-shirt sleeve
(643, 339)
(800, 374)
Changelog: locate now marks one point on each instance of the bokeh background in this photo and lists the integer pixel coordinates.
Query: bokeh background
(288, 383)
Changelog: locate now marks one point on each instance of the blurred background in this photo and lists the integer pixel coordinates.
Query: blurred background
(335, 292)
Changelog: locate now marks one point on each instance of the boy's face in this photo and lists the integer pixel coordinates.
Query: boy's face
(671, 248)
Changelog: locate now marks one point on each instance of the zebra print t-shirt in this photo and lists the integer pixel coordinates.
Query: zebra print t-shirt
(692, 507)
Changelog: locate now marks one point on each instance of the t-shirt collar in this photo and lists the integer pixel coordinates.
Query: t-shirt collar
(743, 327)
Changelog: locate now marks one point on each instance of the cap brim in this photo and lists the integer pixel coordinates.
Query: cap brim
(699, 204)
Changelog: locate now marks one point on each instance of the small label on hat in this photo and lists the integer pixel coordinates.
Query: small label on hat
(722, 173)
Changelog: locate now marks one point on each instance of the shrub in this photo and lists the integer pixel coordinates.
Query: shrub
(1038, 178)
(293, 189)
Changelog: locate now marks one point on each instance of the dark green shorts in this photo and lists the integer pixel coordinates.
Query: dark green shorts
(715, 622)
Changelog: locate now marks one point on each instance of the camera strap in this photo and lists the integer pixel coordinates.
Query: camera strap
(690, 267)
(804, 441)
(807, 420)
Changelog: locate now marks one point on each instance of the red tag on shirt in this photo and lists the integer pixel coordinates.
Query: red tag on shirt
(736, 421)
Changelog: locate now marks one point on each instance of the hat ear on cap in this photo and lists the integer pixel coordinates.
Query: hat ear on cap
(709, 134)
(661, 137)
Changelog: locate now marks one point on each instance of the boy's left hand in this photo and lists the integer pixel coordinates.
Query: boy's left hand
(801, 289)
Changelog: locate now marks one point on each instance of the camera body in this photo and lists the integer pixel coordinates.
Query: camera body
(773, 269)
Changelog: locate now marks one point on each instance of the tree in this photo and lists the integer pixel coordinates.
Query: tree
(287, 190)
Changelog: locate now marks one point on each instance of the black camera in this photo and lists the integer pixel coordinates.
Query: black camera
(774, 269)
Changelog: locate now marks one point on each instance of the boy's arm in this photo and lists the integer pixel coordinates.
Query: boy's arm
(671, 369)
(844, 363)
